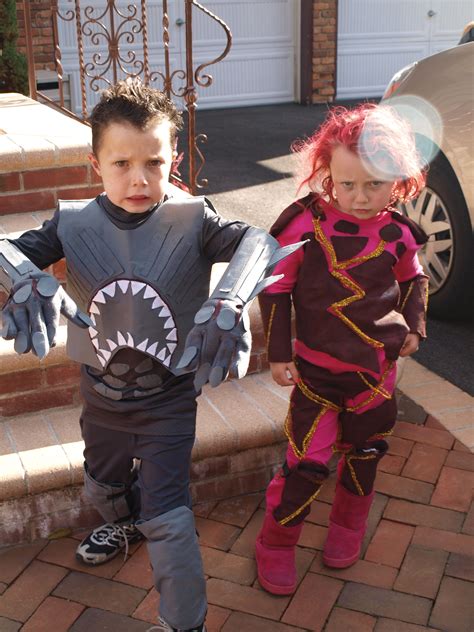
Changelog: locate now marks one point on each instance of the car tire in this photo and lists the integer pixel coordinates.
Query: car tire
(448, 256)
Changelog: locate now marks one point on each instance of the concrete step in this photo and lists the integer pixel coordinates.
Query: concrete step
(240, 442)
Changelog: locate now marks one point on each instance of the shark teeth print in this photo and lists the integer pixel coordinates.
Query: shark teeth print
(140, 291)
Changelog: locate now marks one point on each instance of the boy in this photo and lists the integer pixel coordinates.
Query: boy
(139, 258)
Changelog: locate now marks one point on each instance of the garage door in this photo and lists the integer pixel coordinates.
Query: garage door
(259, 69)
(378, 37)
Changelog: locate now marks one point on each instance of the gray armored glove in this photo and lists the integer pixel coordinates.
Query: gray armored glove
(31, 314)
(220, 341)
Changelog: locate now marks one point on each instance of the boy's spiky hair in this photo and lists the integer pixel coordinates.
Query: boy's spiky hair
(133, 102)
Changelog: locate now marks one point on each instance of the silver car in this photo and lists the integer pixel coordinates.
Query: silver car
(445, 208)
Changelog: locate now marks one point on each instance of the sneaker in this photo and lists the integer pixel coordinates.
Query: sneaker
(165, 627)
(106, 541)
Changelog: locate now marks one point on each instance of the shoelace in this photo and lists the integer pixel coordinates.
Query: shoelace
(112, 530)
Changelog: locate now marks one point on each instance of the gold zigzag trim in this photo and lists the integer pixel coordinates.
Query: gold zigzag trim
(347, 281)
(369, 457)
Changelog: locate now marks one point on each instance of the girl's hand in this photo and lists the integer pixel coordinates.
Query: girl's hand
(280, 371)
(410, 345)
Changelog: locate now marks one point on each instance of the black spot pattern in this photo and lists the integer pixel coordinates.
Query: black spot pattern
(400, 249)
(343, 226)
(390, 232)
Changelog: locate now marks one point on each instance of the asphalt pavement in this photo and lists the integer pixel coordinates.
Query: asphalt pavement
(250, 171)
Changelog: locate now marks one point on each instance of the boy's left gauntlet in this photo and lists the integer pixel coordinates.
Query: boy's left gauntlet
(220, 341)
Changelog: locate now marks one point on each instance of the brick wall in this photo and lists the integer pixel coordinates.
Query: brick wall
(40, 11)
(324, 50)
(40, 189)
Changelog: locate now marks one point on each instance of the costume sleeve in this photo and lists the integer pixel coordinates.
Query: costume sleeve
(42, 246)
(413, 288)
(220, 237)
(275, 302)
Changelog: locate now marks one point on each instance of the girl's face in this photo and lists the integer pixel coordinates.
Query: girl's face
(356, 191)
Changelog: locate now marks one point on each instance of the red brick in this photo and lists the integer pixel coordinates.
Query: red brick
(421, 572)
(27, 202)
(53, 178)
(309, 612)
(431, 436)
(95, 619)
(454, 489)
(453, 609)
(385, 603)
(234, 568)
(313, 536)
(9, 182)
(460, 460)
(390, 625)
(22, 598)
(444, 540)
(392, 464)
(64, 374)
(362, 572)
(3, 588)
(425, 463)
(423, 515)
(350, 621)
(460, 566)
(468, 526)
(245, 543)
(38, 400)
(14, 560)
(79, 193)
(244, 598)
(237, 511)
(240, 622)
(210, 468)
(203, 510)
(216, 534)
(148, 608)
(401, 487)
(96, 592)
(7, 625)
(227, 486)
(432, 422)
(20, 381)
(460, 447)
(389, 544)
(137, 570)
(216, 617)
(399, 446)
(319, 513)
(62, 612)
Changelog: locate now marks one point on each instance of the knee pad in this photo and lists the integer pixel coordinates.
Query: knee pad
(115, 503)
(360, 467)
(301, 486)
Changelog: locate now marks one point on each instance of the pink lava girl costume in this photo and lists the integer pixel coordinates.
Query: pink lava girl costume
(359, 295)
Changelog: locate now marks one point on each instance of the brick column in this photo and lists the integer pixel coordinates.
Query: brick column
(324, 50)
(42, 33)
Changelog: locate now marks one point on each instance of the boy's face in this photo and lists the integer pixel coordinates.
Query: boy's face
(134, 164)
(357, 192)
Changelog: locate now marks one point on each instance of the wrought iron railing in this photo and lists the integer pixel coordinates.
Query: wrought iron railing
(112, 31)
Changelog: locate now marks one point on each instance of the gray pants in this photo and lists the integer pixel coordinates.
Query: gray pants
(156, 497)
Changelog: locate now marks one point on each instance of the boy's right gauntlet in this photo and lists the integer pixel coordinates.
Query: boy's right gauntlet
(35, 301)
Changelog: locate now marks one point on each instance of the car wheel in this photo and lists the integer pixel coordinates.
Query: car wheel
(447, 257)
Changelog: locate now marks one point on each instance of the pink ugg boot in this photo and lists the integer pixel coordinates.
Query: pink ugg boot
(275, 556)
(347, 525)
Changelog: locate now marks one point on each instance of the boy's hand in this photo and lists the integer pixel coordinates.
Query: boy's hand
(31, 314)
(219, 343)
(410, 345)
(284, 373)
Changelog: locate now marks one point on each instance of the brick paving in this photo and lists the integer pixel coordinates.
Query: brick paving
(416, 573)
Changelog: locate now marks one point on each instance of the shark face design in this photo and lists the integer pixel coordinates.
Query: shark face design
(130, 313)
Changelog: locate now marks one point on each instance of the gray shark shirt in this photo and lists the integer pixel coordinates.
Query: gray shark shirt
(141, 290)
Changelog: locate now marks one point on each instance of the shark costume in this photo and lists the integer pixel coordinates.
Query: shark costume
(143, 279)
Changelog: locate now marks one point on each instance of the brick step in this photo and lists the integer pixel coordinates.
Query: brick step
(239, 444)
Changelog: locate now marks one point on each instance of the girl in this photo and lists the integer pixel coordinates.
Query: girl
(359, 295)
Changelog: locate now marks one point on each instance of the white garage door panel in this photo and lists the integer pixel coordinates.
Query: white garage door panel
(376, 38)
(357, 69)
(259, 69)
